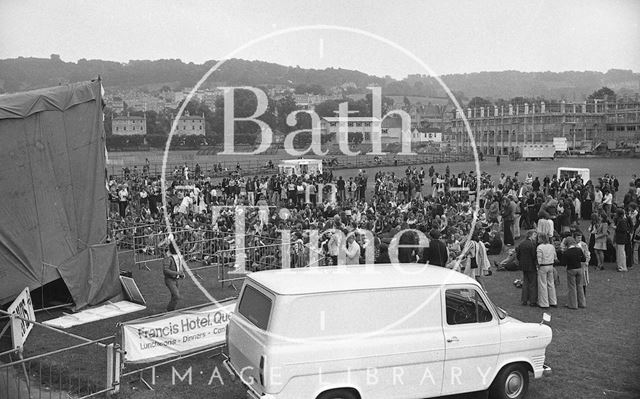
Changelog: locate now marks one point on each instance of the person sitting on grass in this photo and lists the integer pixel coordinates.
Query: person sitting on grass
(510, 263)
(491, 240)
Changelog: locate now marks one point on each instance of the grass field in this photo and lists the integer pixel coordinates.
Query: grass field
(623, 168)
(595, 352)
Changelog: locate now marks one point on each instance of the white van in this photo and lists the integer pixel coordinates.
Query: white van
(378, 331)
(570, 173)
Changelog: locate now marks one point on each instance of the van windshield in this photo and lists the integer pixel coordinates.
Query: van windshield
(255, 307)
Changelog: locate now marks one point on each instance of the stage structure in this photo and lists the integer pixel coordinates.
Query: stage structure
(52, 185)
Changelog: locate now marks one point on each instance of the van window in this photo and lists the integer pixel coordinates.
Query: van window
(255, 306)
(464, 306)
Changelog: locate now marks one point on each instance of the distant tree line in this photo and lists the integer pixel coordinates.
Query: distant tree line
(20, 74)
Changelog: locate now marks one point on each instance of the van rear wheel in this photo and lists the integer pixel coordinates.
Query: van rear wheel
(512, 382)
(338, 394)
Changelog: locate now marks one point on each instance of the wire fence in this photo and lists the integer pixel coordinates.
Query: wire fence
(267, 166)
(68, 372)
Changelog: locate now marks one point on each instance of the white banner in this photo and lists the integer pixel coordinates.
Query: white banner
(175, 334)
(22, 307)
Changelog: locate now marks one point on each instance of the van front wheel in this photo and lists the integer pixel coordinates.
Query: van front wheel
(512, 382)
(339, 394)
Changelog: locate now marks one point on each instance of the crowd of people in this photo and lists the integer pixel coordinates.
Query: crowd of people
(359, 216)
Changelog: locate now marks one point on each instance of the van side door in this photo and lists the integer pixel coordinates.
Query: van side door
(472, 340)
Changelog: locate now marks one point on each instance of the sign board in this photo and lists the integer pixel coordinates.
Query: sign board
(132, 290)
(175, 334)
(22, 307)
(560, 143)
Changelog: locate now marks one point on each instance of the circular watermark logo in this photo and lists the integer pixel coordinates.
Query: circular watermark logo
(266, 138)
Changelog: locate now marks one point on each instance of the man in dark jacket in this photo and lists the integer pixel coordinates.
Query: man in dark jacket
(572, 258)
(527, 258)
(436, 254)
(621, 239)
(173, 270)
(508, 216)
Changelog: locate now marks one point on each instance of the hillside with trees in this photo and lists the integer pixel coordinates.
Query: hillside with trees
(19, 74)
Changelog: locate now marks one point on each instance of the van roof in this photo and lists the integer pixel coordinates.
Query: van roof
(313, 280)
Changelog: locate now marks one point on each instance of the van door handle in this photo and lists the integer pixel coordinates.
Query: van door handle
(453, 339)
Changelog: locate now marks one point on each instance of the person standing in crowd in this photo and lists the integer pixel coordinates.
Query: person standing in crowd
(173, 270)
(516, 220)
(546, 256)
(597, 199)
(123, 200)
(635, 233)
(527, 258)
(299, 254)
(352, 250)
(436, 253)
(473, 259)
(599, 230)
(333, 247)
(508, 215)
(584, 266)
(545, 224)
(535, 185)
(607, 201)
(572, 258)
(564, 216)
(587, 201)
(621, 239)
(630, 197)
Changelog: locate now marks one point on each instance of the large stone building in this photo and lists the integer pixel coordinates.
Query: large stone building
(503, 130)
(129, 126)
(622, 123)
(362, 126)
(190, 125)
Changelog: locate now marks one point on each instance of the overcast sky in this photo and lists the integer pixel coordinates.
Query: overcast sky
(449, 36)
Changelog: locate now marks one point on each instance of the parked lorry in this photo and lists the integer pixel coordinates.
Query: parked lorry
(535, 152)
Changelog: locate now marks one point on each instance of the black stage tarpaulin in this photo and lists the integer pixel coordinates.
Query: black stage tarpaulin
(52, 194)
